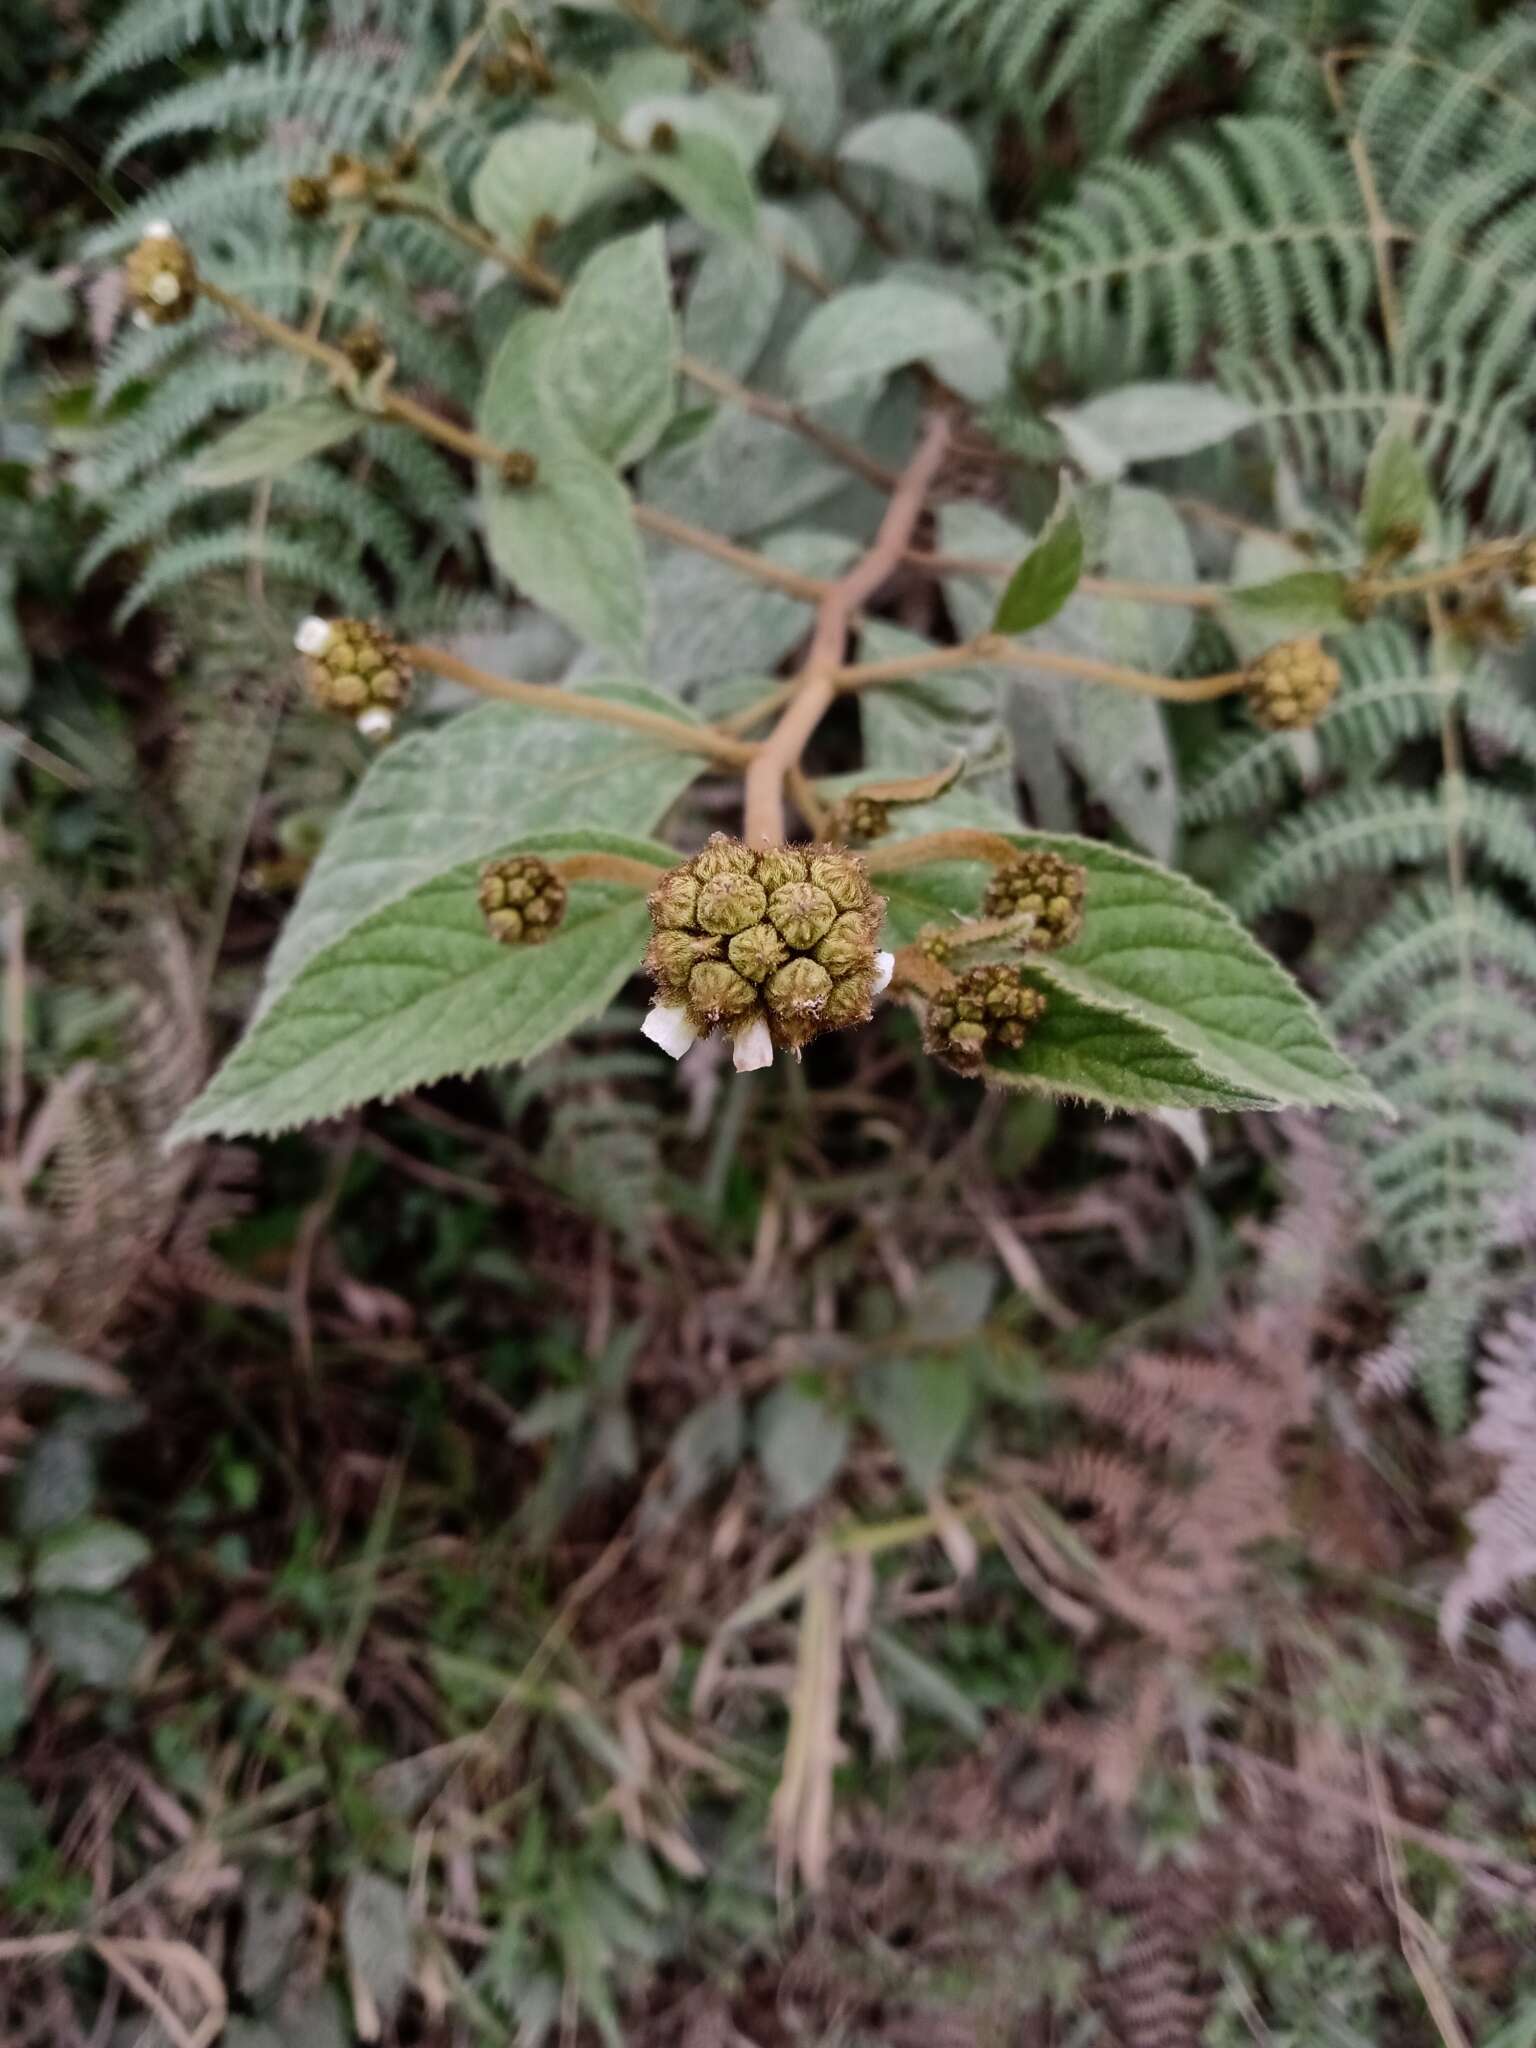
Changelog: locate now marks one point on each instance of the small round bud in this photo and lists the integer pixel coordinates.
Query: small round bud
(729, 903)
(405, 160)
(674, 900)
(1045, 887)
(543, 228)
(522, 899)
(723, 856)
(308, 198)
(1289, 687)
(801, 914)
(519, 469)
(756, 952)
(716, 991)
(161, 278)
(672, 956)
(364, 347)
(781, 864)
(663, 138)
(984, 1010)
(845, 949)
(841, 874)
(355, 668)
(796, 996)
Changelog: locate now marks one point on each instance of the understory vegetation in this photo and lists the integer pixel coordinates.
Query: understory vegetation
(767, 1023)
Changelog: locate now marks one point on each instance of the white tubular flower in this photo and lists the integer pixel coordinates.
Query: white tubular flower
(885, 967)
(754, 1047)
(159, 231)
(669, 1026)
(313, 636)
(376, 723)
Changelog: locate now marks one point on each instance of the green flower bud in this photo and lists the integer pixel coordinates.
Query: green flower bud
(672, 957)
(984, 1009)
(1289, 688)
(723, 856)
(801, 914)
(364, 347)
(756, 951)
(522, 899)
(841, 874)
(308, 198)
(781, 864)
(1045, 887)
(674, 900)
(716, 991)
(730, 903)
(859, 818)
(800, 986)
(846, 947)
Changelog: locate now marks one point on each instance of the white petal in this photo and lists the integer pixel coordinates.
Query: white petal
(754, 1047)
(1525, 596)
(376, 723)
(159, 231)
(669, 1026)
(313, 636)
(885, 967)
(141, 318)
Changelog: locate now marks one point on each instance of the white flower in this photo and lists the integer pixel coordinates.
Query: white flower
(754, 1047)
(165, 288)
(669, 1026)
(159, 231)
(141, 318)
(885, 967)
(376, 723)
(313, 636)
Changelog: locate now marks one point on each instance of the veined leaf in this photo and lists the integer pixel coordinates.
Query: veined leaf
(1397, 505)
(1047, 576)
(1311, 601)
(919, 148)
(864, 333)
(275, 439)
(537, 170)
(459, 793)
(568, 539)
(612, 361)
(1163, 1001)
(800, 1444)
(420, 990)
(706, 178)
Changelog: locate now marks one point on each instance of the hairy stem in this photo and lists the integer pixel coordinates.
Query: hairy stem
(608, 867)
(421, 419)
(992, 650)
(675, 732)
(894, 856)
(817, 683)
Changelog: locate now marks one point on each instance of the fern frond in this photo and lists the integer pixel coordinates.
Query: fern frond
(1431, 931)
(202, 388)
(206, 201)
(1246, 240)
(312, 563)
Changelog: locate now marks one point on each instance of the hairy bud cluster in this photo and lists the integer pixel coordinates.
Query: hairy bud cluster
(355, 669)
(859, 818)
(984, 1009)
(1042, 886)
(522, 898)
(774, 946)
(1290, 686)
(161, 277)
(518, 63)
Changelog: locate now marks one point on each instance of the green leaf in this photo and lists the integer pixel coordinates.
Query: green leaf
(920, 149)
(1397, 505)
(11, 1574)
(1163, 1001)
(94, 1642)
(1310, 601)
(376, 1933)
(921, 1684)
(537, 170)
(58, 1481)
(569, 539)
(921, 1407)
(87, 1557)
(801, 65)
(15, 1662)
(419, 990)
(1046, 577)
(1148, 423)
(463, 791)
(706, 178)
(863, 334)
(613, 359)
(800, 1444)
(733, 301)
(274, 440)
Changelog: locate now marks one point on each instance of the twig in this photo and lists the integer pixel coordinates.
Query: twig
(992, 650)
(674, 732)
(1382, 233)
(817, 683)
(475, 447)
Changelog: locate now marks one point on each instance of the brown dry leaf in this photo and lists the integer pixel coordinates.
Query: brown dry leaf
(801, 1822)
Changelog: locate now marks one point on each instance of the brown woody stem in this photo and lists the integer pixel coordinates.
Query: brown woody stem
(991, 650)
(674, 732)
(817, 683)
(961, 842)
(608, 867)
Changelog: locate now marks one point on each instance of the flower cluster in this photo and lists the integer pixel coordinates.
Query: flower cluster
(161, 277)
(356, 669)
(1042, 886)
(522, 899)
(1290, 686)
(773, 946)
(984, 1009)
